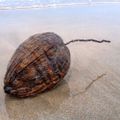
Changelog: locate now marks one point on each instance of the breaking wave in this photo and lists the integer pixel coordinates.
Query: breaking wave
(27, 4)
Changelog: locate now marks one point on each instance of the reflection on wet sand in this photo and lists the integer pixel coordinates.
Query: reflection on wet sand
(37, 107)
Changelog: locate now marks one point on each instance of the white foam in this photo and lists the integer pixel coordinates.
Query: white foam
(28, 4)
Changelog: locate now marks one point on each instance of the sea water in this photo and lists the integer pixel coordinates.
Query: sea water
(20, 4)
(25, 4)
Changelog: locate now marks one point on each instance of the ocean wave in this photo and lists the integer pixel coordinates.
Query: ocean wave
(28, 4)
(39, 6)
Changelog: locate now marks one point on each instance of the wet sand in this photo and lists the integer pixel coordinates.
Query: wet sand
(75, 98)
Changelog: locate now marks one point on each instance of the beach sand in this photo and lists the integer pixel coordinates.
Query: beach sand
(73, 99)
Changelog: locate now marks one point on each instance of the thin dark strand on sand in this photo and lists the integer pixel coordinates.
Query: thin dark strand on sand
(87, 40)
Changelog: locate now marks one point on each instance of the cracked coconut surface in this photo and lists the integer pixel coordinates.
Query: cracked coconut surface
(91, 89)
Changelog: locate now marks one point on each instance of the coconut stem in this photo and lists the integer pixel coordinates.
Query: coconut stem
(87, 40)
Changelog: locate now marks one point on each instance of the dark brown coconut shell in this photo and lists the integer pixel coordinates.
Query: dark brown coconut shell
(37, 65)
